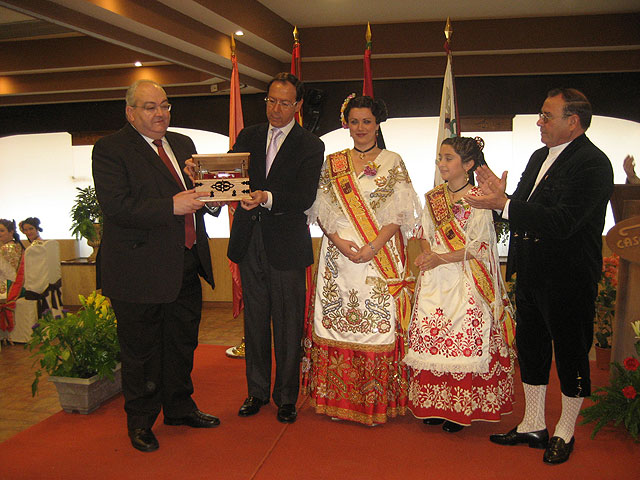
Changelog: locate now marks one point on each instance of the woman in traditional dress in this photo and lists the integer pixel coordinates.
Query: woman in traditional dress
(31, 229)
(10, 253)
(365, 205)
(460, 365)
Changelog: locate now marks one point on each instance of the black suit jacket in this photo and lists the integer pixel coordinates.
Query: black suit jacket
(293, 181)
(556, 235)
(142, 250)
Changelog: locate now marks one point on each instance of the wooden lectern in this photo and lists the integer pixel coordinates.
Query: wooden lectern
(624, 239)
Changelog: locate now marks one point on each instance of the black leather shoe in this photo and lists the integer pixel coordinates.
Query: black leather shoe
(287, 413)
(452, 427)
(433, 421)
(143, 439)
(195, 419)
(538, 439)
(251, 406)
(558, 451)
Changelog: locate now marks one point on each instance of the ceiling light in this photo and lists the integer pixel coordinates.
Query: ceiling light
(239, 33)
(138, 64)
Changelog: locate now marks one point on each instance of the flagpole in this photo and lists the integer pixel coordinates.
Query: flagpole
(236, 124)
(296, 67)
(448, 121)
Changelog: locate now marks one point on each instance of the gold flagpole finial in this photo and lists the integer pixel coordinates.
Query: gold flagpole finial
(295, 34)
(368, 34)
(233, 45)
(448, 31)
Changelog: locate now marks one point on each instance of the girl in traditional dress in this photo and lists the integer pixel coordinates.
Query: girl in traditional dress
(31, 228)
(365, 205)
(459, 356)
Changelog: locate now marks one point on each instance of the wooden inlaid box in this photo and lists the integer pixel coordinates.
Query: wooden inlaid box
(222, 177)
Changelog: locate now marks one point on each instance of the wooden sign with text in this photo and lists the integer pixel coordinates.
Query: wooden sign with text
(624, 239)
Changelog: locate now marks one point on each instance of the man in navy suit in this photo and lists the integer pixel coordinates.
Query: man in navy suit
(270, 242)
(556, 217)
(153, 247)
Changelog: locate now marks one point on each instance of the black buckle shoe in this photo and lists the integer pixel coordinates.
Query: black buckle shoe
(537, 439)
(558, 451)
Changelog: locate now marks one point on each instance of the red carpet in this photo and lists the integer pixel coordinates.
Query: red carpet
(96, 446)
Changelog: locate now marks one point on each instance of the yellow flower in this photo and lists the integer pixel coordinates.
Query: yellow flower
(636, 328)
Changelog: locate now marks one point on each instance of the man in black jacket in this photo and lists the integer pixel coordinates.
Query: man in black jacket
(270, 242)
(556, 217)
(153, 247)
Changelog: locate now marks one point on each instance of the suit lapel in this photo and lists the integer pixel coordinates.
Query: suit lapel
(259, 158)
(528, 181)
(148, 154)
(557, 164)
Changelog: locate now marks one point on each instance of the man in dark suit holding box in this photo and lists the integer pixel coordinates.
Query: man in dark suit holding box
(154, 245)
(270, 242)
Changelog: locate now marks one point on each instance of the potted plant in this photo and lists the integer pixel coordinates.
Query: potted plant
(605, 310)
(86, 217)
(620, 401)
(80, 351)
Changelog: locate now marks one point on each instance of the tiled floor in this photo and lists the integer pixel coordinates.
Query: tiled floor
(19, 410)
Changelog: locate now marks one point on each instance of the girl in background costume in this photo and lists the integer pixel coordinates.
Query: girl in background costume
(10, 253)
(459, 360)
(365, 205)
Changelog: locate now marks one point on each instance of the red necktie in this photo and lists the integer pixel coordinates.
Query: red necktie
(189, 228)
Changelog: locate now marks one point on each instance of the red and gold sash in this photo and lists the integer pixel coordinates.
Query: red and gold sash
(8, 308)
(439, 204)
(358, 210)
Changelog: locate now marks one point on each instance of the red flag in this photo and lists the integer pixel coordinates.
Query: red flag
(296, 67)
(367, 85)
(236, 123)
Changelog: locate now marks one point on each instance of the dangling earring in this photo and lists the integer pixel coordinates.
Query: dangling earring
(466, 176)
(377, 132)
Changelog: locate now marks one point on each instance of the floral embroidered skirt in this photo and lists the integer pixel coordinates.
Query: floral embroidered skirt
(465, 397)
(362, 383)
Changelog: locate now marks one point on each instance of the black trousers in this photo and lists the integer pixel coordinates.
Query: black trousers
(157, 343)
(271, 297)
(559, 318)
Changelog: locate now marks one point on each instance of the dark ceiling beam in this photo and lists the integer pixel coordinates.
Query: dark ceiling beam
(585, 32)
(100, 79)
(254, 17)
(475, 65)
(55, 13)
(59, 54)
(106, 95)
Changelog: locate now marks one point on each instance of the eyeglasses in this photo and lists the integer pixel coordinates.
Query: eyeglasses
(272, 102)
(152, 107)
(546, 117)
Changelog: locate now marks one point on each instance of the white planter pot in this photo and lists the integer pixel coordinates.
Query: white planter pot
(84, 395)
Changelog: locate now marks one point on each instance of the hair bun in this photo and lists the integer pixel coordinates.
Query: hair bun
(480, 142)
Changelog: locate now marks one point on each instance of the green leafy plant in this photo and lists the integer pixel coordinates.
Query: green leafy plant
(620, 401)
(606, 301)
(78, 345)
(85, 213)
